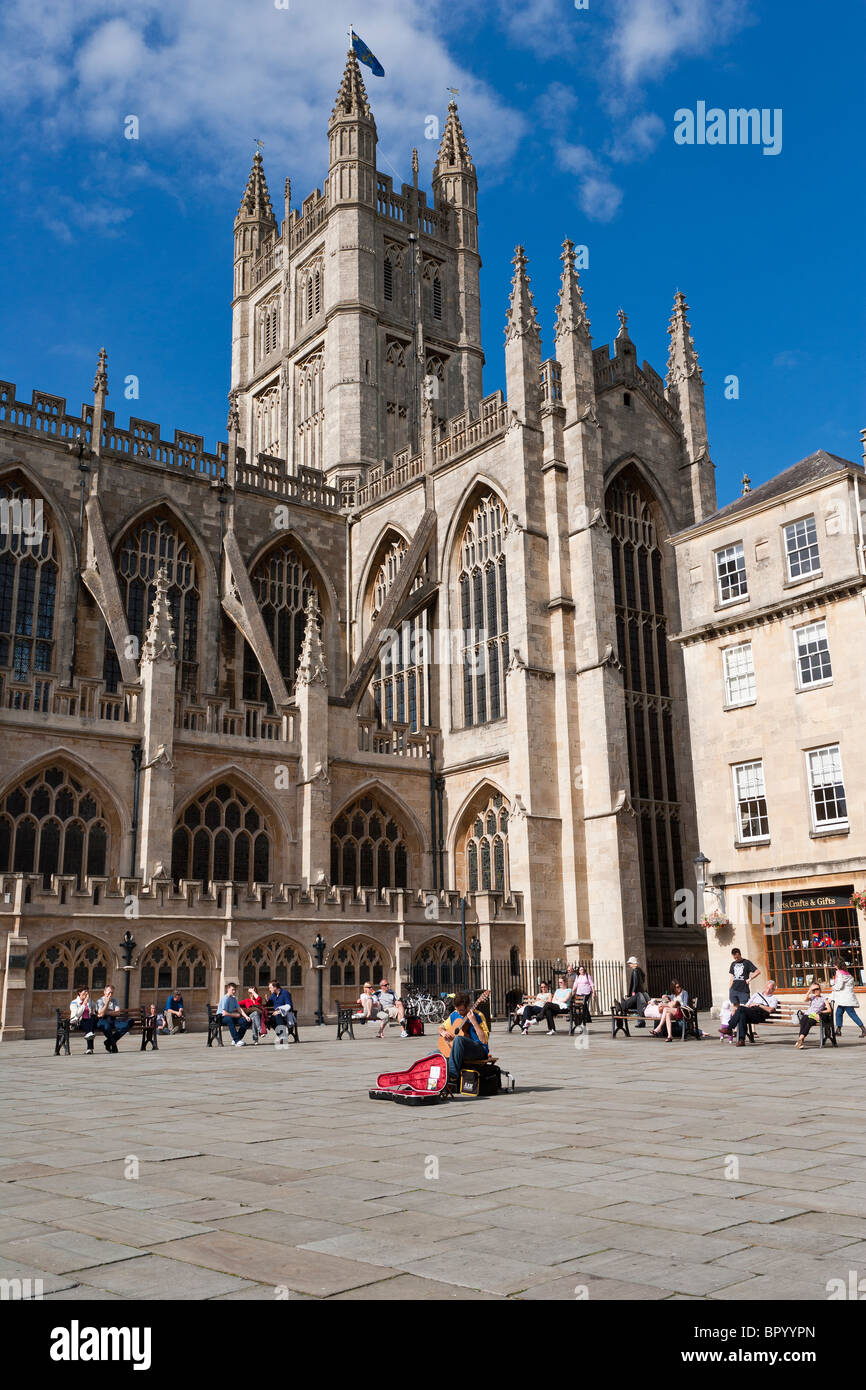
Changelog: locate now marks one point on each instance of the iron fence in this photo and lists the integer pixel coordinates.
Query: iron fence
(693, 975)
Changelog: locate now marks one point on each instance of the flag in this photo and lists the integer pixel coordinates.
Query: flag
(365, 56)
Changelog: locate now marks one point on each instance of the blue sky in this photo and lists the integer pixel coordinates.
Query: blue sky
(570, 118)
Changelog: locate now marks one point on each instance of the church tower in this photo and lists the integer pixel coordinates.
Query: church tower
(455, 187)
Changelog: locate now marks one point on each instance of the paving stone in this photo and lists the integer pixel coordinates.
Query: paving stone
(307, 1271)
(153, 1278)
(62, 1251)
(410, 1289)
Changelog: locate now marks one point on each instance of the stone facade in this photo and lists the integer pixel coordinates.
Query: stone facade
(394, 643)
(773, 659)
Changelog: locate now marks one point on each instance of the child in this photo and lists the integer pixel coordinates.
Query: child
(725, 1012)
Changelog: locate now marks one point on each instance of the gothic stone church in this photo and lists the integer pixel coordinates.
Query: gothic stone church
(394, 645)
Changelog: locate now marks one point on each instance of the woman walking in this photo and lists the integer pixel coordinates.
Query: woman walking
(843, 996)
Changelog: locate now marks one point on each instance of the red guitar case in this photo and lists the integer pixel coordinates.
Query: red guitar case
(422, 1084)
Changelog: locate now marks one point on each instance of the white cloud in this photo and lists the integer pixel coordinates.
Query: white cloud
(597, 194)
(638, 139)
(207, 76)
(649, 36)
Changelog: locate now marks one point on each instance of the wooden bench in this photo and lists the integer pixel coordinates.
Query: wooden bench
(350, 1014)
(141, 1023)
(577, 1013)
(271, 1018)
(689, 1026)
(788, 1014)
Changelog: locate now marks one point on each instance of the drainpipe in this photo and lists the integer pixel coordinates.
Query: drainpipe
(137, 755)
(440, 790)
(861, 549)
(433, 854)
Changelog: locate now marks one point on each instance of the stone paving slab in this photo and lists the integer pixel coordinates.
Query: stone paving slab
(602, 1177)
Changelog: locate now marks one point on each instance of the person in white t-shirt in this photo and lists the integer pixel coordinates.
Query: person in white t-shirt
(759, 1007)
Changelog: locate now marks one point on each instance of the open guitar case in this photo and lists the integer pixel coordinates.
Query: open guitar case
(424, 1083)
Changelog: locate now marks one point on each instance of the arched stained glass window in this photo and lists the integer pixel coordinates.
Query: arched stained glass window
(211, 841)
(486, 848)
(482, 592)
(368, 848)
(76, 962)
(282, 584)
(51, 824)
(28, 583)
(152, 544)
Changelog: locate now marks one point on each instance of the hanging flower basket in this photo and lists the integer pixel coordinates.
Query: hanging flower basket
(714, 919)
(859, 900)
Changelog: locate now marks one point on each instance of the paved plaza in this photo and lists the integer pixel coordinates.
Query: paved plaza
(627, 1169)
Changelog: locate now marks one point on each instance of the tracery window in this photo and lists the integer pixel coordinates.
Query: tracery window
(266, 409)
(269, 325)
(355, 962)
(368, 848)
(174, 964)
(391, 267)
(310, 291)
(220, 838)
(277, 959)
(310, 411)
(483, 589)
(438, 966)
(641, 627)
(282, 584)
(76, 962)
(152, 544)
(28, 583)
(52, 824)
(401, 687)
(487, 848)
(395, 392)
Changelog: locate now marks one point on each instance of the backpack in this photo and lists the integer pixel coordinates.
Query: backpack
(414, 1027)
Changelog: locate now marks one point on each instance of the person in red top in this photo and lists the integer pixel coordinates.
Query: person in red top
(255, 1007)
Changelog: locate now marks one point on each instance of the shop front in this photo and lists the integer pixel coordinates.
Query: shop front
(805, 931)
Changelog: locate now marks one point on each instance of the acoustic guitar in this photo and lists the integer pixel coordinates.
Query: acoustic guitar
(447, 1043)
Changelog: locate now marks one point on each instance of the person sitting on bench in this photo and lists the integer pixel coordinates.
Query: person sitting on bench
(535, 1008)
(467, 1047)
(82, 1015)
(671, 1010)
(814, 1005)
(106, 1008)
(391, 1009)
(233, 1015)
(281, 1002)
(556, 1006)
(759, 1007)
(367, 1001)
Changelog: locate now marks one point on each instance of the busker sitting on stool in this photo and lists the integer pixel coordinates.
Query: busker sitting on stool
(469, 1046)
(759, 1007)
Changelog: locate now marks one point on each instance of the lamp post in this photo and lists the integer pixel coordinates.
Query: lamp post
(463, 940)
(127, 945)
(319, 946)
(475, 958)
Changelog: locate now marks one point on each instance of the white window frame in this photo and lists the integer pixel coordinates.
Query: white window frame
(760, 794)
(734, 679)
(728, 550)
(799, 655)
(826, 752)
(789, 534)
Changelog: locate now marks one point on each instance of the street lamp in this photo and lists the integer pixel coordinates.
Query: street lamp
(701, 863)
(319, 946)
(127, 945)
(475, 958)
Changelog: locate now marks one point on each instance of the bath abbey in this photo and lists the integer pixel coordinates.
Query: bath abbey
(386, 673)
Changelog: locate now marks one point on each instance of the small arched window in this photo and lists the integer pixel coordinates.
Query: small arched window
(71, 964)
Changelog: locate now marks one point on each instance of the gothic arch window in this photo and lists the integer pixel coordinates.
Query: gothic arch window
(266, 408)
(269, 325)
(67, 965)
(485, 848)
(151, 544)
(310, 411)
(368, 848)
(355, 962)
(28, 583)
(282, 584)
(51, 823)
(274, 959)
(401, 686)
(483, 592)
(171, 964)
(395, 392)
(222, 838)
(438, 966)
(432, 280)
(642, 647)
(310, 291)
(392, 266)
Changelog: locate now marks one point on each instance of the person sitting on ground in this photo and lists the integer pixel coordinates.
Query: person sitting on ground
(174, 1015)
(233, 1015)
(280, 1000)
(366, 1001)
(469, 1045)
(814, 1005)
(759, 1008)
(255, 1007)
(559, 1004)
(107, 1009)
(390, 1008)
(843, 996)
(82, 1016)
(535, 1008)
